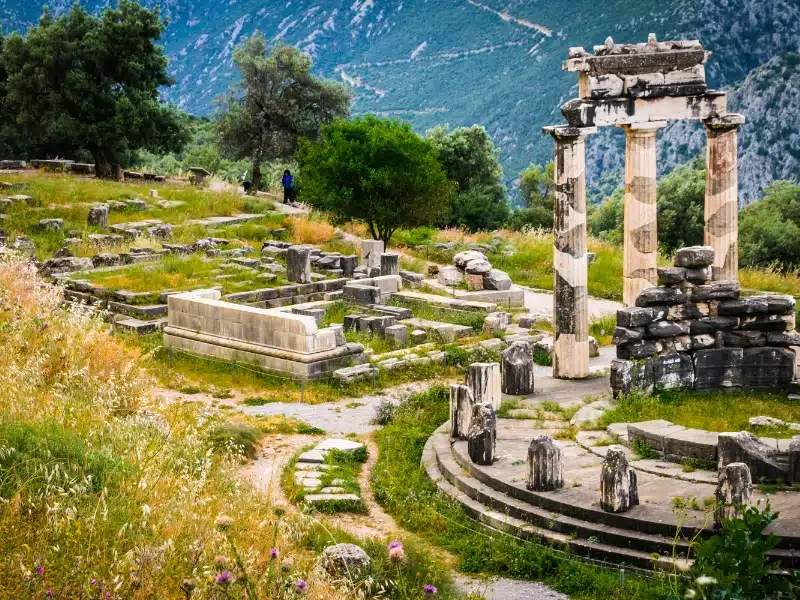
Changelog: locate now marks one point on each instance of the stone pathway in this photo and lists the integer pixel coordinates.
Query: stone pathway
(506, 589)
(310, 470)
(537, 301)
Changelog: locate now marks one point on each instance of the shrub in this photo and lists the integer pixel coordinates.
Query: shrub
(236, 438)
(384, 412)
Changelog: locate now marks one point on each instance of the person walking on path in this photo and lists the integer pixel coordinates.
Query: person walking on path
(288, 186)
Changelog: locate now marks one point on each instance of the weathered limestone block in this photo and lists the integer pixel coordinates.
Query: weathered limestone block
(450, 276)
(794, 460)
(51, 225)
(671, 275)
(462, 259)
(348, 265)
(769, 323)
(98, 216)
(779, 304)
(717, 290)
(698, 275)
(784, 339)
(482, 436)
(628, 375)
(635, 316)
(694, 256)
(397, 334)
(673, 372)
(496, 322)
(298, 264)
(667, 329)
(749, 305)
(484, 381)
(744, 339)
(744, 447)
(478, 267)
(627, 335)
(371, 251)
(362, 294)
(497, 280)
(545, 465)
(390, 264)
(713, 324)
(660, 295)
(517, 367)
(596, 87)
(618, 486)
(461, 403)
(70, 264)
(718, 368)
(734, 492)
(639, 350)
(624, 110)
(768, 367)
(345, 560)
(473, 281)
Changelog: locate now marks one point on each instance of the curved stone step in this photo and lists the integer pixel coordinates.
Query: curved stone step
(507, 523)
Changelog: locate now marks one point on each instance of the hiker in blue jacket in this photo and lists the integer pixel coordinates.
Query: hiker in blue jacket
(288, 186)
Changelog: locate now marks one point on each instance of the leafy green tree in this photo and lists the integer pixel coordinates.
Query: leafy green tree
(377, 171)
(472, 161)
(681, 202)
(277, 102)
(769, 230)
(605, 220)
(89, 83)
(537, 191)
(7, 137)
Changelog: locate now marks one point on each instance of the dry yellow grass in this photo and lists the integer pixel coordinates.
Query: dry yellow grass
(309, 231)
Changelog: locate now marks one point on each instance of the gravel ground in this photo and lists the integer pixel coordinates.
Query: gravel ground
(506, 589)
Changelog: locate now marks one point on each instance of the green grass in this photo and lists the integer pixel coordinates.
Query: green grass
(342, 466)
(473, 319)
(405, 491)
(712, 411)
(236, 438)
(602, 329)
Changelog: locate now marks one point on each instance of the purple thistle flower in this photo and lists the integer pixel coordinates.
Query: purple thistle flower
(107, 596)
(40, 570)
(49, 593)
(430, 589)
(93, 581)
(300, 586)
(224, 578)
(394, 545)
(273, 553)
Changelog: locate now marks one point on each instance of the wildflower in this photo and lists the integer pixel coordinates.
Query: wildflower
(223, 522)
(300, 586)
(93, 581)
(273, 553)
(705, 580)
(224, 578)
(690, 594)
(397, 554)
(40, 570)
(430, 589)
(107, 596)
(393, 545)
(49, 593)
(221, 562)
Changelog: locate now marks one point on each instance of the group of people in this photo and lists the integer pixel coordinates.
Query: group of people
(287, 181)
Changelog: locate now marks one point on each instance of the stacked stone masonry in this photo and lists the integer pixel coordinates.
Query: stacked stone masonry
(695, 333)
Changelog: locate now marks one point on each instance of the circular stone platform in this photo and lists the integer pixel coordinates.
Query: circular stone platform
(571, 518)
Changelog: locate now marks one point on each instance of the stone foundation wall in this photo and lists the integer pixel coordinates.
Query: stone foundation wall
(694, 333)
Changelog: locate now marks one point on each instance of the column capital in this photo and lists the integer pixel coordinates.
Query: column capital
(723, 123)
(561, 132)
(643, 129)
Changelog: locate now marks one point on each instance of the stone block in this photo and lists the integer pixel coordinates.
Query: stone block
(362, 294)
(98, 216)
(770, 323)
(378, 325)
(627, 335)
(694, 256)
(461, 403)
(734, 492)
(450, 276)
(478, 267)
(390, 264)
(298, 264)
(346, 561)
(618, 485)
(497, 280)
(51, 225)
(461, 259)
(653, 432)
(482, 435)
(371, 251)
(744, 339)
(545, 465)
(711, 325)
(419, 336)
(660, 295)
(397, 334)
(744, 447)
(693, 444)
(348, 265)
(698, 275)
(517, 370)
(639, 350)
(716, 290)
(779, 304)
(496, 322)
(784, 339)
(628, 375)
(749, 305)
(767, 367)
(484, 381)
(794, 460)
(596, 87)
(704, 341)
(667, 329)
(635, 316)
(474, 282)
(671, 275)
(673, 372)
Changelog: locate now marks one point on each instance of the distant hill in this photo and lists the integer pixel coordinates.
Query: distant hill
(469, 61)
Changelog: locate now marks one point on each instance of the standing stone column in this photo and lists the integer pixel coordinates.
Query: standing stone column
(618, 485)
(298, 264)
(461, 403)
(390, 264)
(722, 195)
(371, 251)
(641, 234)
(482, 436)
(484, 381)
(570, 300)
(545, 465)
(734, 492)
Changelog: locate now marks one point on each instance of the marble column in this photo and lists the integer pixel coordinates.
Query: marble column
(722, 195)
(570, 300)
(640, 264)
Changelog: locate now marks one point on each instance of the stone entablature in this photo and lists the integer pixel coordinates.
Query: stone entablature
(694, 333)
(273, 339)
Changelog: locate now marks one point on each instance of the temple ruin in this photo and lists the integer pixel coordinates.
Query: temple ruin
(638, 87)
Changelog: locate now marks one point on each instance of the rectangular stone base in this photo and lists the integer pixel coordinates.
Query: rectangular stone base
(273, 360)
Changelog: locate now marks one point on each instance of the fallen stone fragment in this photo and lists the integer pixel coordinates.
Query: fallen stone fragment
(545, 465)
(734, 492)
(345, 560)
(482, 436)
(618, 485)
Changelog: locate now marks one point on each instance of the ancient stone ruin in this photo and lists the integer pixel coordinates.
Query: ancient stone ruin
(482, 436)
(545, 465)
(694, 333)
(618, 483)
(638, 87)
(734, 492)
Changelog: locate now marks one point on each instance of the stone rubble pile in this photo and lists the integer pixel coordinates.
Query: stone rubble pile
(472, 268)
(694, 333)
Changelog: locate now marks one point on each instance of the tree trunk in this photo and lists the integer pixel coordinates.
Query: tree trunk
(256, 183)
(102, 168)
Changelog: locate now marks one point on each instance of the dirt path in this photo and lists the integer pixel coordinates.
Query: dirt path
(265, 472)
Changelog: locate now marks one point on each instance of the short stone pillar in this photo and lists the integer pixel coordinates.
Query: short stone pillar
(517, 367)
(618, 488)
(571, 303)
(390, 264)
(461, 403)
(482, 436)
(545, 465)
(298, 264)
(348, 265)
(98, 216)
(734, 492)
(483, 380)
(794, 460)
(640, 264)
(371, 251)
(722, 195)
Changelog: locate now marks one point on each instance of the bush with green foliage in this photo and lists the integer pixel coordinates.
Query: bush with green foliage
(81, 84)
(377, 171)
(537, 192)
(769, 230)
(481, 208)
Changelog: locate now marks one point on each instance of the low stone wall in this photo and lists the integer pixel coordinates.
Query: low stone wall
(694, 333)
(273, 339)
